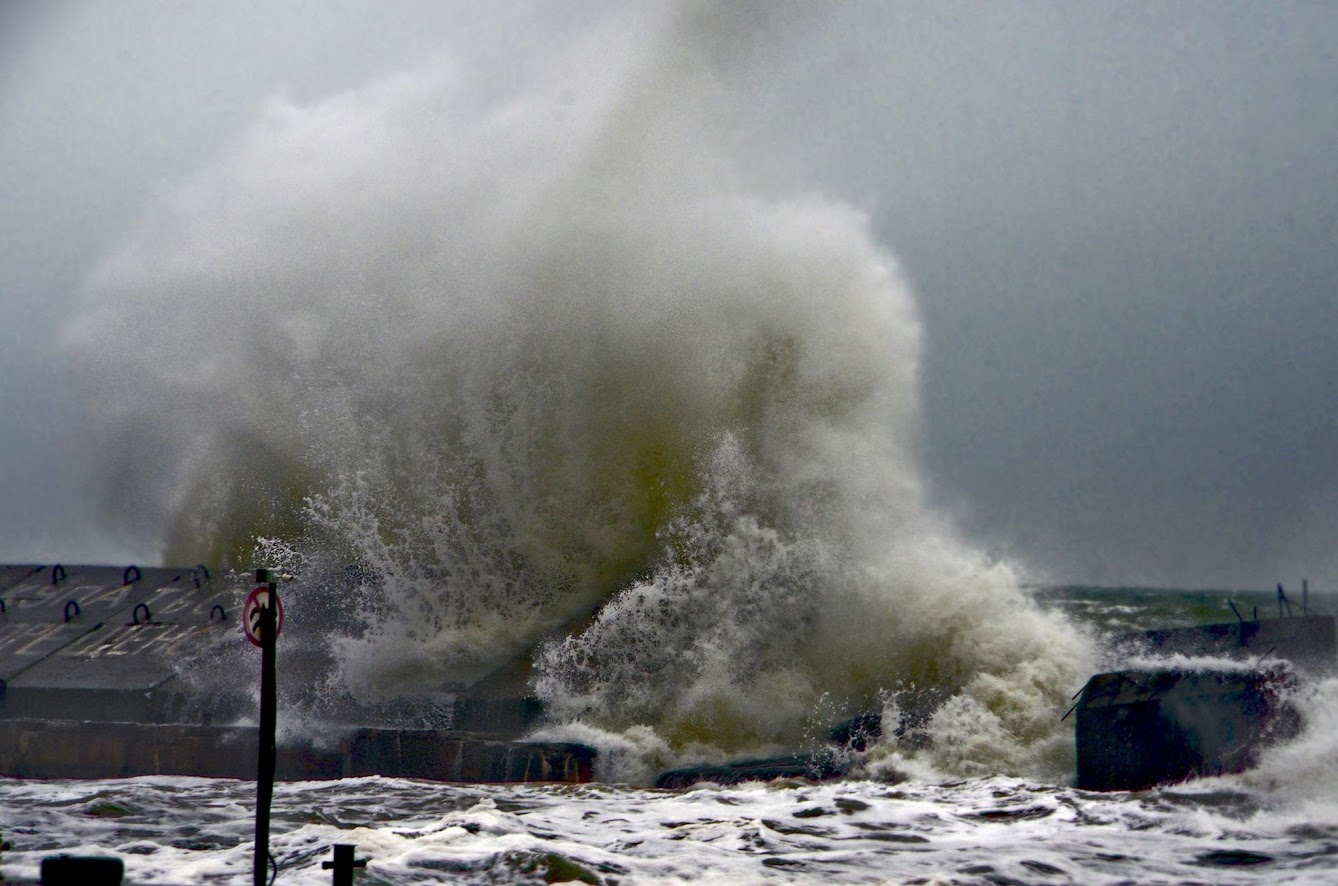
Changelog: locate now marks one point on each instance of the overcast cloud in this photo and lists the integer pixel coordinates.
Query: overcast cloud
(1120, 220)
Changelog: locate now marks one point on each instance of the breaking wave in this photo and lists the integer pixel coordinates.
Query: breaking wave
(550, 371)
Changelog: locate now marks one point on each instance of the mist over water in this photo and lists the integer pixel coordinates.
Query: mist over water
(548, 369)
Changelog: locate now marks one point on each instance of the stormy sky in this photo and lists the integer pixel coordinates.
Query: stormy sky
(1120, 221)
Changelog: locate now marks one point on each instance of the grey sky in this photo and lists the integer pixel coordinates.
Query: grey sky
(1121, 222)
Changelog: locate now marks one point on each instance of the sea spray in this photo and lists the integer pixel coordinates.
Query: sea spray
(550, 371)
(1303, 771)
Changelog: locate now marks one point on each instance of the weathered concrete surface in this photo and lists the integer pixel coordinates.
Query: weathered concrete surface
(1139, 728)
(106, 672)
(1136, 729)
(1307, 641)
(449, 756)
(110, 643)
(66, 749)
(108, 628)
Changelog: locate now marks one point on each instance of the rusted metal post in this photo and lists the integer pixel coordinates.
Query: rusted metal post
(268, 718)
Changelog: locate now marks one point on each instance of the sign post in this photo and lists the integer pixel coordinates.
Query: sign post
(262, 618)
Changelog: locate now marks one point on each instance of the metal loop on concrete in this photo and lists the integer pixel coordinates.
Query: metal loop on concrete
(75, 604)
(126, 579)
(222, 613)
(195, 574)
(57, 574)
(135, 614)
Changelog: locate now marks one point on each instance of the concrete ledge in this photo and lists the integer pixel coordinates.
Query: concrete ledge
(822, 766)
(1136, 729)
(69, 749)
(1307, 641)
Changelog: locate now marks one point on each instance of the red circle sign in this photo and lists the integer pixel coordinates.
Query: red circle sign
(255, 604)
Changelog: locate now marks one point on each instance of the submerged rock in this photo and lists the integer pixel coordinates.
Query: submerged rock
(1136, 729)
(821, 766)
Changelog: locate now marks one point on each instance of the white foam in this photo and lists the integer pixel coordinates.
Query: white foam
(525, 360)
(192, 830)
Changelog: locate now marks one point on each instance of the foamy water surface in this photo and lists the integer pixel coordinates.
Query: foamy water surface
(989, 830)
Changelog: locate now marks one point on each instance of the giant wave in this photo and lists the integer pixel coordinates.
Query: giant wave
(561, 380)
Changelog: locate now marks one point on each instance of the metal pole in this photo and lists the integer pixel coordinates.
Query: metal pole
(343, 864)
(268, 716)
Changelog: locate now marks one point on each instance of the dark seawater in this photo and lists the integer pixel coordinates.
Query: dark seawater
(904, 824)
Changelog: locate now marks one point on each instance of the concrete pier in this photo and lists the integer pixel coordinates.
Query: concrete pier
(106, 672)
(1143, 727)
(1136, 729)
(69, 749)
(1307, 641)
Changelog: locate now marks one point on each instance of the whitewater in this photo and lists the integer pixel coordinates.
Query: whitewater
(534, 368)
(553, 379)
(994, 830)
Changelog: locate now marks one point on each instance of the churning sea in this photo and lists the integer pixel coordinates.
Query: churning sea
(1276, 824)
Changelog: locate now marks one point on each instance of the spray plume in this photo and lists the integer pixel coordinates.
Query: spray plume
(547, 361)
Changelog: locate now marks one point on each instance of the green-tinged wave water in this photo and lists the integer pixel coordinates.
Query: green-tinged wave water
(550, 377)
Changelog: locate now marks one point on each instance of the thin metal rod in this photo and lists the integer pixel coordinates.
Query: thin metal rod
(268, 717)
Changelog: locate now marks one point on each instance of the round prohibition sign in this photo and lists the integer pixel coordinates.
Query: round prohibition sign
(255, 604)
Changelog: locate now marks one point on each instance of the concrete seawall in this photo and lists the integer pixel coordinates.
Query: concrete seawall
(68, 749)
(105, 672)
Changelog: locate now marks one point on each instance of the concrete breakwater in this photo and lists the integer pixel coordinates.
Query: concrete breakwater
(83, 749)
(1197, 716)
(110, 672)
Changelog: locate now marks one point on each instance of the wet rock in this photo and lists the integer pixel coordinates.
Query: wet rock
(821, 766)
